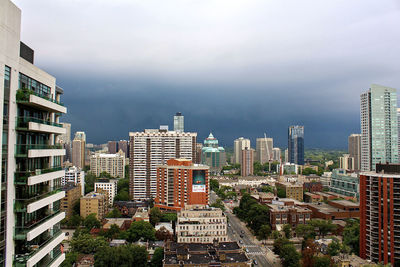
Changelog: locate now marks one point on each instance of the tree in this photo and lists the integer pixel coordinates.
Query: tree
(287, 230)
(113, 232)
(123, 195)
(141, 230)
(231, 195)
(323, 261)
(305, 230)
(280, 192)
(70, 259)
(334, 248)
(115, 213)
(279, 243)
(158, 256)
(214, 184)
(275, 234)
(163, 234)
(218, 204)
(169, 217)
(155, 215)
(308, 253)
(90, 178)
(257, 168)
(264, 232)
(290, 257)
(128, 255)
(123, 184)
(105, 175)
(75, 221)
(257, 216)
(87, 244)
(324, 227)
(268, 189)
(351, 235)
(76, 208)
(91, 222)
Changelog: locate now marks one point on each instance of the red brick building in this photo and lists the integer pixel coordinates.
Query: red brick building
(181, 182)
(312, 187)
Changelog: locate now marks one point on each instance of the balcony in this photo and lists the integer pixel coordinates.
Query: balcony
(31, 202)
(37, 151)
(45, 102)
(38, 176)
(39, 125)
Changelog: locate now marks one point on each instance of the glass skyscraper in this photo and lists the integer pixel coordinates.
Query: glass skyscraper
(296, 144)
(179, 122)
(379, 127)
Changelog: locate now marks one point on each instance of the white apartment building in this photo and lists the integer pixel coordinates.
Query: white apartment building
(31, 170)
(75, 176)
(109, 186)
(150, 149)
(113, 164)
(276, 154)
(239, 145)
(264, 148)
(201, 224)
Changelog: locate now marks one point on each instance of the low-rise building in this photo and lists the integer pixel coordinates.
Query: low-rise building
(113, 164)
(72, 196)
(312, 187)
(312, 198)
(94, 202)
(128, 208)
(334, 210)
(75, 176)
(326, 179)
(201, 224)
(293, 190)
(346, 260)
(215, 254)
(141, 214)
(109, 186)
(347, 184)
(284, 214)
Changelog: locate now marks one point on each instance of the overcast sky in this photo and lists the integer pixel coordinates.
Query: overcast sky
(236, 68)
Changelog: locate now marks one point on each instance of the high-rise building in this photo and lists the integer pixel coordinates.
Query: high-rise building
(109, 186)
(264, 151)
(30, 167)
(75, 176)
(179, 123)
(379, 217)
(150, 149)
(65, 138)
(199, 151)
(276, 151)
(247, 160)
(213, 155)
(124, 146)
(296, 144)
(113, 164)
(355, 150)
(286, 155)
(79, 150)
(346, 162)
(379, 127)
(180, 183)
(398, 125)
(238, 145)
(112, 147)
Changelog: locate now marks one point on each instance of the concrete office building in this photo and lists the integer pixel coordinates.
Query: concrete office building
(213, 155)
(75, 176)
(379, 217)
(276, 151)
(264, 151)
(296, 144)
(112, 147)
(109, 186)
(247, 160)
(94, 202)
(150, 149)
(180, 183)
(30, 172)
(354, 150)
(201, 224)
(346, 162)
(379, 129)
(113, 164)
(179, 125)
(238, 145)
(79, 150)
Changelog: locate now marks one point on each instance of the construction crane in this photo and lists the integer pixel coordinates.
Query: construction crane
(268, 153)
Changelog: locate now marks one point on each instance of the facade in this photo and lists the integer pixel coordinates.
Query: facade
(124, 146)
(180, 183)
(334, 210)
(179, 125)
(247, 160)
(72, 196)
(379, 128)
(326, 179)
(201, 224)
(78, 150)
(112, 147)
(286, 155)
(94, 202)
(292, 215)
(65, 138)
(75, 176)
(347, 163)
(354, 150)
(346, 184)
(150, 149)
(109, 186)
(276, 151)
(293, 190)
(238, 145)
(199, 151)
(31, 171)
(264, 148)
(380, 221)
(296, 144)
(213, 155)
(113, 164)
(312, 186)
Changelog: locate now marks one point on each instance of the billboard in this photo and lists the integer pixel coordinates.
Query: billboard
(199, 181)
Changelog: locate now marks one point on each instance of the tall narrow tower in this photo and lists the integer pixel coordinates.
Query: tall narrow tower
(296, 144)
(179, 123)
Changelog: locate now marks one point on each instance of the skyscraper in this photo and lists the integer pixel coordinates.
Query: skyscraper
(123, 145)
(379, 128)
(213, 155)
(247, 160)
(179, 123)
(112, 147)
(238, 145)
(296, 144)
(31, 171)
(276, 154)
(150, 149)
(355, 150)
(264, 151)
(78, 150)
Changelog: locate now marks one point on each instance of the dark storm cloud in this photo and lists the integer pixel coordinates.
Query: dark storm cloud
(236, 68)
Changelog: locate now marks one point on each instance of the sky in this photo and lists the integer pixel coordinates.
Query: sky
(233, 68)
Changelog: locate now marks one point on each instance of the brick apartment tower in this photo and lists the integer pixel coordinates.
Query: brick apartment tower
(181, 182)
(247, 160)
(379, 214)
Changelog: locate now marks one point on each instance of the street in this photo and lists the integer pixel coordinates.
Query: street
(236, 229)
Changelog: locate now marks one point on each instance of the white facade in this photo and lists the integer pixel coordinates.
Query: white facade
(75, 176)
(109, 186)
(264, 148)
(26, 87)
(113, 164)
(150, 149)
(276, 154)
(239, 145)
(179, 123)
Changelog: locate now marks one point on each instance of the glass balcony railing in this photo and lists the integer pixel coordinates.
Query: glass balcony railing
(22, 150)
(23, 122)
(21, 231)
(23, 96)
(22, 202)
(50, 258)
(31, 248)
(21, 177)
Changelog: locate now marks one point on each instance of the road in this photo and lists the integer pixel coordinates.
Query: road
(236, 229)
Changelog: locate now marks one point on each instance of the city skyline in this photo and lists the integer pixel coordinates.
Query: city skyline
(255, 73)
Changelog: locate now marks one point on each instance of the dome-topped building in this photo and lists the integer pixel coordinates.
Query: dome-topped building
(213, 155)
